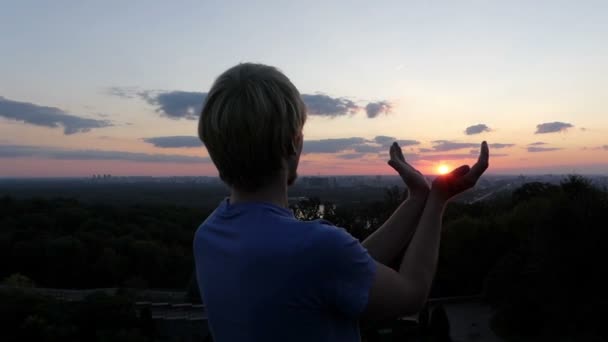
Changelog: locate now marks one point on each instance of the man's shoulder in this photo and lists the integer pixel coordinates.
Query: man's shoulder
(327, 237)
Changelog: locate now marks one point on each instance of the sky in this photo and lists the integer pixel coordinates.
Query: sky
(114, 87)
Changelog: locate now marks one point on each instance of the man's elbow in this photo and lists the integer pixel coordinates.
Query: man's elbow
(396, 295)
(414, 302)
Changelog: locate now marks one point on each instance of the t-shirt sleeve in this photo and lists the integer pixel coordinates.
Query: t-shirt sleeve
(348, 274)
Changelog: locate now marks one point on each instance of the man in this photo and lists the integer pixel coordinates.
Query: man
(266, 276)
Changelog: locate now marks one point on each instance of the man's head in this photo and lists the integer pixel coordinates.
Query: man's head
(251, 124)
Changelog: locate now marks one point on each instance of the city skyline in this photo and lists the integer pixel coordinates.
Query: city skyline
(115, 88)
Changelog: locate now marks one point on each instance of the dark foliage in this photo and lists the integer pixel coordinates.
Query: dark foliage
(67, 244)
(553, 283)
(537, 254)
(25, 316)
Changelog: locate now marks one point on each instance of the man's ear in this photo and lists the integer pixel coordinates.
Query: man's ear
(297, 144)
(295, 147)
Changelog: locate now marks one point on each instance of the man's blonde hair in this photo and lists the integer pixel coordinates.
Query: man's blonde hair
(249, 122)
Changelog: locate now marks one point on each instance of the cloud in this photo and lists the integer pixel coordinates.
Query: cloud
(176, 104)
(475, 153)
(351, 155)
(425, 150)
(20, 151)
(446, 145)
(386, 141)
(357, 144)
(499, 145)
(48, 117)
(476, 129)
(174, 141)
(373, 109)
(597, 148)
(471, 156)
(407, 142)
(324, 105)
(538, 143)
(368, 148)
(439, 157)
(124, 92)
(552, 127)
(331, 145)
(535, 149)
(179, 104)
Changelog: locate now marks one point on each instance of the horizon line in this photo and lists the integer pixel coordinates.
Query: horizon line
(300, 176)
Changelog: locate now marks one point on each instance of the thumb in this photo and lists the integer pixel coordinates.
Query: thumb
(460, 171)
(395, 165)
(392, 164)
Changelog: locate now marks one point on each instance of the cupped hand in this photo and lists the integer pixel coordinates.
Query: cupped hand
(416, 183)
(462, 178)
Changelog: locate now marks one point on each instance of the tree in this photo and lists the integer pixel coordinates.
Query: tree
(18, 280)
(554, 283)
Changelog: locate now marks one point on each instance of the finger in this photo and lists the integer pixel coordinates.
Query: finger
(399, 168)
(481, 166)
(460, 171)
(392, 151)
(398, 151)
(457, 178)
(393, 164)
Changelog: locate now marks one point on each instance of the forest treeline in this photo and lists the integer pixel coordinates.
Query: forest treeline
(537, 254)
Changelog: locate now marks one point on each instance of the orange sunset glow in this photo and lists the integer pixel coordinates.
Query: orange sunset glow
(443, 169)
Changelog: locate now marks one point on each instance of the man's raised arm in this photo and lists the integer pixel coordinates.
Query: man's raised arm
(388, 242)
(405, 292)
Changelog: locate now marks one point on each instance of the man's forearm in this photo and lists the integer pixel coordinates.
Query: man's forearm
(388, 241)
(420, 259)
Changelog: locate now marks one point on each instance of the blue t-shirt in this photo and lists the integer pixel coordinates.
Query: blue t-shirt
(266, 276)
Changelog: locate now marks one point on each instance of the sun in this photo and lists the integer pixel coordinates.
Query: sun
(443, 169)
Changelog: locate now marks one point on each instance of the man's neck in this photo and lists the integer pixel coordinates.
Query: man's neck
(275, 193)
